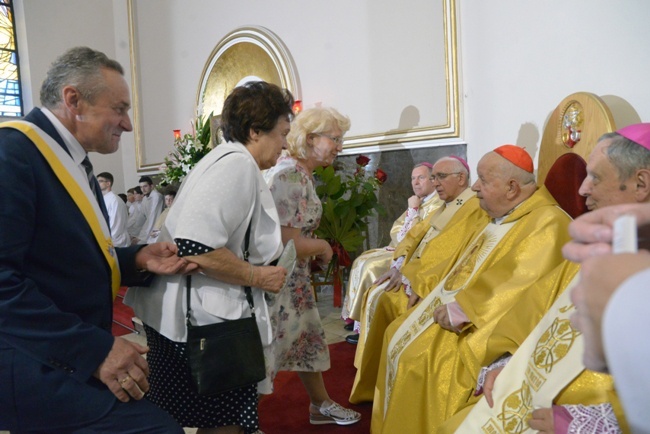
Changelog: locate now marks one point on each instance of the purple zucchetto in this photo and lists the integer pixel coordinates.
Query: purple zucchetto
(462, 161)
(638, 133)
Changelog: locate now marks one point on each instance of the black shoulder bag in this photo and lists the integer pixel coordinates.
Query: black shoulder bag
(226, 355)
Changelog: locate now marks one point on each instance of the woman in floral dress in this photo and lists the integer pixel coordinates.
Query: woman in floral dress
(315, 140)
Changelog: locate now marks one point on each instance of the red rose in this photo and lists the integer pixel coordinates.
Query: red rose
(362, 160)
(381, 176)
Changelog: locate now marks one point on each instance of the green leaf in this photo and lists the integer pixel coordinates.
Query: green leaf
(348, 198)
(202, 127)
(321, 191)
(334, 186)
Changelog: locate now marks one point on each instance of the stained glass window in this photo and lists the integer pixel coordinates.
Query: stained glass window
(10, 92)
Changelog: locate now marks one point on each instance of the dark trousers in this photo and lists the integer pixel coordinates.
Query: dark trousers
(133, 417)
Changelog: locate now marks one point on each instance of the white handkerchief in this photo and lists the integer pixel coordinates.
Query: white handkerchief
(288, 259)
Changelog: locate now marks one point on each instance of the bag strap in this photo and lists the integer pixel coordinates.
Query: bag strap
(247, 289)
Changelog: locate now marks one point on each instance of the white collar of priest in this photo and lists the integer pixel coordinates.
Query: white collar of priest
(498, 221)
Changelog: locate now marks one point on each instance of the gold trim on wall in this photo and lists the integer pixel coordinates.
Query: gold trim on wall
(135, 94)
(451, 128)
(282, 60)
(246, 51)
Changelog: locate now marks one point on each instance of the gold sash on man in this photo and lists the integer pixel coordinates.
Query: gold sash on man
(77, 187)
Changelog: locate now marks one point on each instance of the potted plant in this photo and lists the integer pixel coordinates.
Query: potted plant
(188, 150)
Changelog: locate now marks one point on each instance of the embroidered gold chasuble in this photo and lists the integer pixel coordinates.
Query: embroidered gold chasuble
(439, 239)
(546, 368)
(373, 263)
(419, 358)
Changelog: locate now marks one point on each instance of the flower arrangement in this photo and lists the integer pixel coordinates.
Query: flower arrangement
(188, 150)
(348, 199)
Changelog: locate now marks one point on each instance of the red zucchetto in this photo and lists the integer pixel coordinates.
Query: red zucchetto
(517, 156)
(638, 133)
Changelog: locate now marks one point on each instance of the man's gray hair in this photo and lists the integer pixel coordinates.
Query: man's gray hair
(625, 155)
(80, 67)
(458, 167)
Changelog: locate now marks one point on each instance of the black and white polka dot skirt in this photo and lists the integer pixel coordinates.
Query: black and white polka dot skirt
(172, 389)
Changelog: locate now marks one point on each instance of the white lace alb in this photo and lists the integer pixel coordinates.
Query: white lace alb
(499, 363)
(592, 419)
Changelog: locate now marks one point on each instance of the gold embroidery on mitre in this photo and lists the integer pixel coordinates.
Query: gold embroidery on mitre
(516, 410)
(554, 344)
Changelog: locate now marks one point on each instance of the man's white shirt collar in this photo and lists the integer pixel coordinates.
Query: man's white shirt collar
(430, 196)
(77, 152)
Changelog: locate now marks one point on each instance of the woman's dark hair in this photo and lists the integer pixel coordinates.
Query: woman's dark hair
(255, 105)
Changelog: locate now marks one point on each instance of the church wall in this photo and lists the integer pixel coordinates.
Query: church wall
(48, 28)
(517, 60)
(520, 59)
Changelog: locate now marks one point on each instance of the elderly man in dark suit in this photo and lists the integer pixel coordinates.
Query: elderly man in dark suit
(61, 370)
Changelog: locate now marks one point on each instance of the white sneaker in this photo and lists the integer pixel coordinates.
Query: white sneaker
(334, 414)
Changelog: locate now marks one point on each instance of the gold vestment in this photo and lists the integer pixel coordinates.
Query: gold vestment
(452, 231)
(528, 319)
(374, 262)
(419, 358)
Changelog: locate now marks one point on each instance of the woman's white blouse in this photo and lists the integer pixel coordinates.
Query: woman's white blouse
(213, 207)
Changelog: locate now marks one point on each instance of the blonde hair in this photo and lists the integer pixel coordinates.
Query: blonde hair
(314, 120)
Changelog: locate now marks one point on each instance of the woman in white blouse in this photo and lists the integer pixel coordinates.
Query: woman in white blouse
(216, 202)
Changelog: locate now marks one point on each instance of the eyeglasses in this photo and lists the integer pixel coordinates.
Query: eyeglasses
(337, 140)
(442, 176)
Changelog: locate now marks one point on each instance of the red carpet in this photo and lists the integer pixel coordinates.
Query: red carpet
(122, 315)
(286, 411)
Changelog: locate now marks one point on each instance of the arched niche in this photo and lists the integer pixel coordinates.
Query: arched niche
(246, 51)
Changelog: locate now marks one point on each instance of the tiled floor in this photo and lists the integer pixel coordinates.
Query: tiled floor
(330, 316)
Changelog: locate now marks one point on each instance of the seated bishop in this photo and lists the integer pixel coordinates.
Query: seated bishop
(372, 263)
(544, 384)
(439, 238)
(520, 245)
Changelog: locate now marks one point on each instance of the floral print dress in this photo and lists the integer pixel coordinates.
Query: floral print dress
(299, 343)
